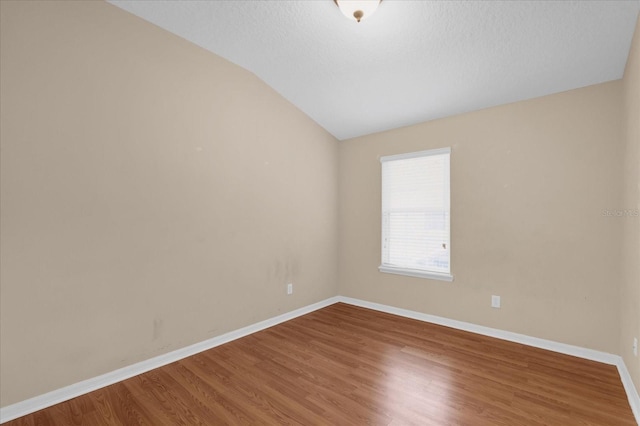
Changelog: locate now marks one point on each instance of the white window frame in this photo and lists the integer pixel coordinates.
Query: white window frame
(420, 273)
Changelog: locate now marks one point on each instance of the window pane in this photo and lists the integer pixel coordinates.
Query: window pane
(416, 213)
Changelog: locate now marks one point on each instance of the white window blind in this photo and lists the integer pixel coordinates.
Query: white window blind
(416, 214)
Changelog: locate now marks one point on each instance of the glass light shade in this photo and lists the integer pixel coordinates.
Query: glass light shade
(357, 10)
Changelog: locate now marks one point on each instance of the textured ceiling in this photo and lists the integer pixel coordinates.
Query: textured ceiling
(411, 61)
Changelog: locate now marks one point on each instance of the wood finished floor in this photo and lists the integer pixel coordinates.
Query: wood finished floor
(344, 365)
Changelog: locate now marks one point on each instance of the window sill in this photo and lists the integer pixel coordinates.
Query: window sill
(415, 273)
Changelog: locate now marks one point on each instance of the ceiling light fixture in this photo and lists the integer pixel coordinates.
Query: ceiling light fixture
(357, 9)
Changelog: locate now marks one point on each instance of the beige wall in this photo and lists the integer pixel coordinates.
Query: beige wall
(529, 182)
(153, 196)
(630, 294)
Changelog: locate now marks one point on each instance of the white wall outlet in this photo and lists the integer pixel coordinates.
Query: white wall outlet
(495, 301)
(290, 288)
(635, 346)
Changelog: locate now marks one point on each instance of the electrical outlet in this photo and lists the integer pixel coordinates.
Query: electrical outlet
(290, 288)
(495, 301)
(635, 346)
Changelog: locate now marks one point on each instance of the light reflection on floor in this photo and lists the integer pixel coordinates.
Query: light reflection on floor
(424, 389)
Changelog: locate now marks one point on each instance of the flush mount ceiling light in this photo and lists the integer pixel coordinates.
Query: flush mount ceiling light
(357, 9)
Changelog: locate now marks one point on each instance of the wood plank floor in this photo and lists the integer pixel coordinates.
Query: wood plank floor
(344, 365)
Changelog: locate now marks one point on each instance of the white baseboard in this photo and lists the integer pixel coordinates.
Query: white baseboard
(31, 405)
(606, 358)
(66, 393)
(632, 392)
(491, 332)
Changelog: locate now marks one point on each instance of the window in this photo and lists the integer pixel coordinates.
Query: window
(416, 214)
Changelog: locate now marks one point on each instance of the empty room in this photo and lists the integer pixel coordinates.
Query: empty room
(319, 212)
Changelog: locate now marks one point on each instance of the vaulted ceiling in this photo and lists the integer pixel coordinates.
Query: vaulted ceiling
(411, 61)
